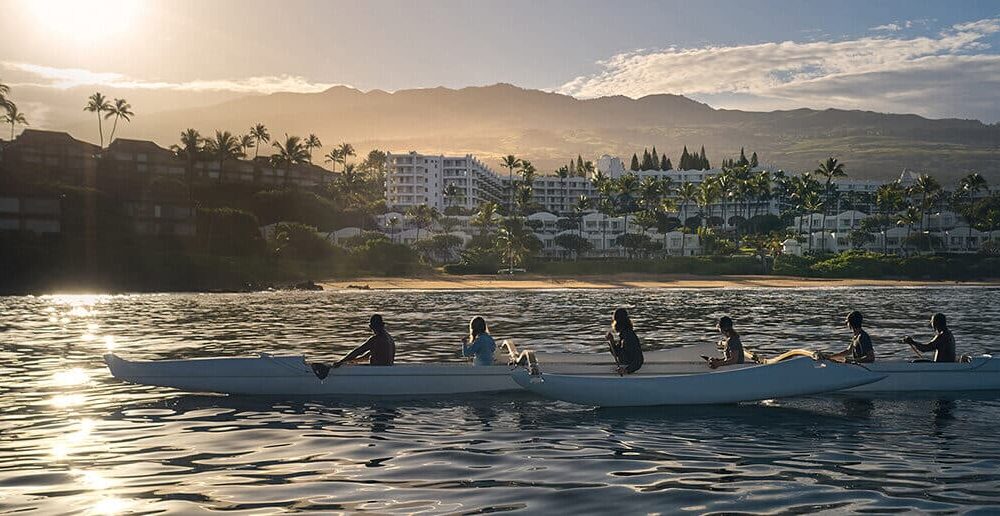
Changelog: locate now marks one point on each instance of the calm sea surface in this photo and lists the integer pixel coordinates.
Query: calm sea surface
(74, 440)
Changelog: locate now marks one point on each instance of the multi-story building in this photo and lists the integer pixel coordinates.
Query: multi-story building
(440, 181)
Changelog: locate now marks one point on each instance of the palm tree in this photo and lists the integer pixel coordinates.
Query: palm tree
(687, 193)
(908, 218)
(345, 150)
(486, 218)
(120, 110)
(970, 185)
(562, 173)
(812, 203)
(98, 103)
(627, 187)
(451, 193)
(515, 242)
(829, 170)
(4, 91)
(887, 200)
(291, 152)
(333, 157)
(247, 142)
(510, 162)
(312, 142)
(927, 187)
(13, 117)
(223, 147)
(260, 134)
(582, 205)
(422, 216)
(189, 149)
(708, 194)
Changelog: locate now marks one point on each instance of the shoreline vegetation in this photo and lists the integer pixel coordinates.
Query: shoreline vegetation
(204, 216)
(624, 280)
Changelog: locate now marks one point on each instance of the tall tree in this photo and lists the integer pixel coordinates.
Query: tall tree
(562, 173)
(291, 152)
(121, 110)
(260, 135)
(685, 163)
(579, 165)
(829, 170)
(655, 160)
(687, 193)
(98, 103)
(190, 149)
(647, 160)
(247, 142)
(927, 187)
(703, 163)
(510, 162)
(4, 91)
(13, 117)
(634, 165)
(312, 142)
(753, 160)
(225, 146)
(422, 216)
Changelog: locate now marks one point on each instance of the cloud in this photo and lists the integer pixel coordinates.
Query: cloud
(917, 74)
(890, 27)
(66, 78)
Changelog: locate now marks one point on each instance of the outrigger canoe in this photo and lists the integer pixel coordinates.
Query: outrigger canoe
(793, 377)
(979, 373)
(267, 374)
(273, 375)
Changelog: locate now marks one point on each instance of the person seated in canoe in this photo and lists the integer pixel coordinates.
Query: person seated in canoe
(626, 348)
(731, 345)
(479, 344)
(943, 343)
(861, 350)
(380, 349)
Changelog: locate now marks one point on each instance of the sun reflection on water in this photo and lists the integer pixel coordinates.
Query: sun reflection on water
(70, 377)
(111, 505)
(68, 400)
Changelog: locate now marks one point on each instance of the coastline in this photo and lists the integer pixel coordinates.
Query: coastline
(624, 280)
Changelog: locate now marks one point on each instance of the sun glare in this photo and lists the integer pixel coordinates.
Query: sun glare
(85, 21)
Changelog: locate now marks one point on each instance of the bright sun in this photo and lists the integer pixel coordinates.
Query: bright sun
(85, 21)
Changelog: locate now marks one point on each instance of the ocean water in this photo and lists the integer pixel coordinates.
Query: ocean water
(75, 441)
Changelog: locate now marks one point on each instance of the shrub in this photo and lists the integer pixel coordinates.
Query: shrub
(385, 258)
(228, 232)
(301, 242)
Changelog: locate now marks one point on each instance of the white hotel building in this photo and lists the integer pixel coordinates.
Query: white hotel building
(414, 179)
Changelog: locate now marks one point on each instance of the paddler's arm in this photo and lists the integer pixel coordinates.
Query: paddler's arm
(930, 346)
(358, 352)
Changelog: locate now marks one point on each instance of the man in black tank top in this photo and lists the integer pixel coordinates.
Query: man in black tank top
(861, 350)
(943, 343)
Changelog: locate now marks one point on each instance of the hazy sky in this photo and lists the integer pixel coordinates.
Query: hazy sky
(933, 58)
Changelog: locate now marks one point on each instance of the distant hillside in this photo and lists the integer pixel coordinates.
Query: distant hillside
(550, 128)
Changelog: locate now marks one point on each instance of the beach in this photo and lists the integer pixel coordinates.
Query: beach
(630, 280)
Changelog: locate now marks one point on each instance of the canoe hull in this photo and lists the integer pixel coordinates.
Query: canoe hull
(290, 376)
(795, 377)
(981, 374)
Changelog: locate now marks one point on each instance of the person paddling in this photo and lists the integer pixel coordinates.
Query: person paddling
(730, 343)
(626, 348)
(479, 344)
(380, 347)
(943, 343)
(861, 350)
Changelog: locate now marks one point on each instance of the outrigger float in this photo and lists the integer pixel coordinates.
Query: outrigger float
(677, 376)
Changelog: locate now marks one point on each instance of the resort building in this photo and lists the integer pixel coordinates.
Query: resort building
(440, 181)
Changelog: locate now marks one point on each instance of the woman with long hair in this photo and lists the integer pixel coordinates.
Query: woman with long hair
(479, 344)
(626, 347)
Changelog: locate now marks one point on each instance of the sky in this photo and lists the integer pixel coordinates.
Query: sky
(937, 59)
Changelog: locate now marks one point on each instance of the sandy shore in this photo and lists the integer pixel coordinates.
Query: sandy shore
(531, 281)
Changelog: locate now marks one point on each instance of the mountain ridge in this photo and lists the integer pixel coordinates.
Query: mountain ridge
(550, 128)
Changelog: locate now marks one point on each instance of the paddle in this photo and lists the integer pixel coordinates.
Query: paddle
(907, 340)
